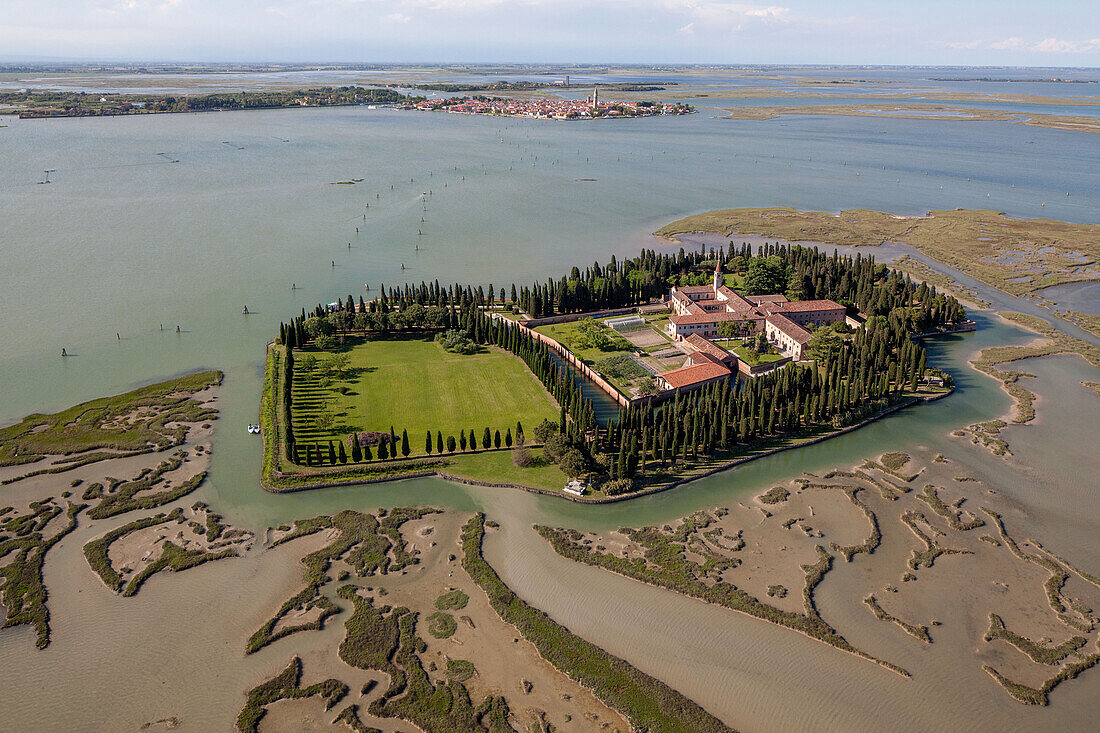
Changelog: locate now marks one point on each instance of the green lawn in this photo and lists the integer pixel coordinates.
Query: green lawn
(744, 355)
(733, 282)
(497, 467)
(411, 383)
(567, 334)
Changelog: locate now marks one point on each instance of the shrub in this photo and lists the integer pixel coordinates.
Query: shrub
(618, 486)
(620, 366)
(895, 460)
(441, 625)
(454, 600)
(460, 670)
(456, 342)
(521, 457)
(774, 495)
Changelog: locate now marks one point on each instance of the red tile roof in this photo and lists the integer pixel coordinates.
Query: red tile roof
(711, 317)
(693, 375)
(758, 299)
(789, 327)
(709, 348)
(807, 305)
(734, 300)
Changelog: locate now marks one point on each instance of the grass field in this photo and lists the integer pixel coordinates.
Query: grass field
(568, 334)
(411, 383)
(753, 358)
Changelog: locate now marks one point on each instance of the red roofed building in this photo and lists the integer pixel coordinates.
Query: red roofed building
(692, 377)
(786, 335)
(709, 351)
(698, 310)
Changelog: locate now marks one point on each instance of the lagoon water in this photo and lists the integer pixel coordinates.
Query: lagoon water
(124, 239)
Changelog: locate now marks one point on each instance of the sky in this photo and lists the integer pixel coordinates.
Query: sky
(1059, 33)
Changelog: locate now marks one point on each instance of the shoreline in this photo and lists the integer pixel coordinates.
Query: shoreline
(621, 497)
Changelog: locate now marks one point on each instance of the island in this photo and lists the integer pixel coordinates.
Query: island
(1017, 256)
(42, 104)
(550, 107)
(692, 368)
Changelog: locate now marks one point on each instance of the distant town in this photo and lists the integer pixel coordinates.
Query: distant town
(591, 107)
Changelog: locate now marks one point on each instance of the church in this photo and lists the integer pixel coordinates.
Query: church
(701, 309)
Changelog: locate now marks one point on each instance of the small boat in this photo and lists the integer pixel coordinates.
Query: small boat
(245, 311)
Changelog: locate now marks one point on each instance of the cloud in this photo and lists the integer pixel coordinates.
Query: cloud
(1047, 45)
(688, 29)
(1054, 45)
(398, 18)
(965, 44)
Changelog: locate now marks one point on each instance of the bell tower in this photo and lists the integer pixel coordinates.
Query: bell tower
(718, 275)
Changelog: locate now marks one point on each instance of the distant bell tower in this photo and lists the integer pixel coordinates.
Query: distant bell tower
(718, 275)
(595, 97)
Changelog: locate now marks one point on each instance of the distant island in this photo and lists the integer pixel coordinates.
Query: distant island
(523, 86)
(32, 105)
(49, 104)
(1032, 80)
(550, 108)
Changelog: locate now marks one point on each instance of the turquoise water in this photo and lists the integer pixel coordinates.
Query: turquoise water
(124, 241)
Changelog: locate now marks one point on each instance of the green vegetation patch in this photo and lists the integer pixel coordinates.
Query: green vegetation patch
(285, 686)
(919, 632)
(413, 384)
(119, 497)
(24, 544)
(172, 557)
(384, 639)
(442, 625)
(1038, 653)
(774, 495)
(371, 545)
(133, 422)
(621, 368)
(460, 670)
(647, 703)
(666, 565)
(1041, 695)
(895, 460)
(454, 600)
(987, 245)
(588, 339)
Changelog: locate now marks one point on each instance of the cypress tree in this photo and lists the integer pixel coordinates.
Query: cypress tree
(383, 454)
(438, 441)
(367, 454)
(508, 438)
(451, 443)
(496, 439)
(331, 453)
(486, 439)
(356, 449)
(343, 456)
(462, 439)
(405, 450)
(428, 443)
